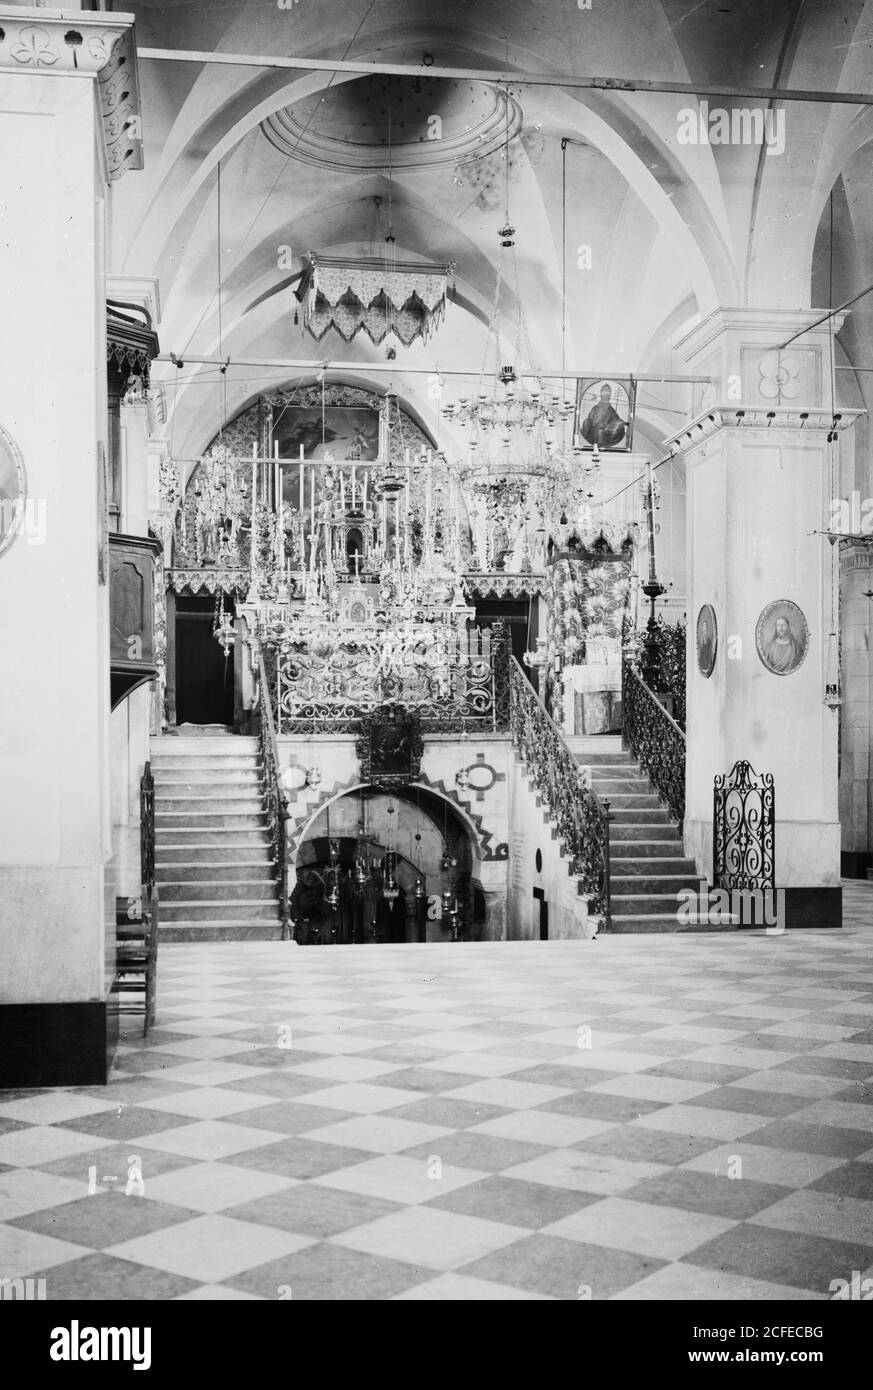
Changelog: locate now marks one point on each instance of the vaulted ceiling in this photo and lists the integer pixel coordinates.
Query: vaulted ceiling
(301, 159)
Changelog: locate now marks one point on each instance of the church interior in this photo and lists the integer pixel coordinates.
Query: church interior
(436, 514)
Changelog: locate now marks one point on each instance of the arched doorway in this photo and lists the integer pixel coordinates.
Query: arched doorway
(387, 867)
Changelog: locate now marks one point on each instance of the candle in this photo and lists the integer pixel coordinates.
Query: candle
(353, 487)
(651, 525)
(302, 481)
(312, 526)
(254, 505)
(366, 478)
(342, 492)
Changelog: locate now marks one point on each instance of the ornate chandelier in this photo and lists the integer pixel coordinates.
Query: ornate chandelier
(509, 404)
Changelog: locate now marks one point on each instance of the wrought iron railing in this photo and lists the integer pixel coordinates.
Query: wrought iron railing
(457, 679)
(147, 830)
(743, 829)
(654, 737)
(580, 817)
(276, 801)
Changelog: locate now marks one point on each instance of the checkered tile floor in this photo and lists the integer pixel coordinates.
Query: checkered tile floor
(667, 1117)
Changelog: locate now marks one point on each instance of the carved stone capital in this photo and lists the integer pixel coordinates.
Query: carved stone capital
(52, 42)
(760, 422)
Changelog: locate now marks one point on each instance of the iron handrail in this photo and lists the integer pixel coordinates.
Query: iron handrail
(277, 808)
(655, 739)
(581, 817)
(147, 830)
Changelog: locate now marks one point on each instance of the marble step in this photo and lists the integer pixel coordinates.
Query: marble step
(191, 762)
(638, 924)
(204, 744)
(210, 800)
(643, 904)
(195, 779)
(656, 832)
(204, 910)
(640, 817)
(207, 820)
(631, 801)
(623, 866)
(258, 849)
(624, 884)
(236, 930)
(201, 870)
(621, 787)
(627, 777)
(224, 842)
(222, 890)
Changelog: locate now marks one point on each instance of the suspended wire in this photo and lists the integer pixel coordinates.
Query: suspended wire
(281, 173)
(222, 383)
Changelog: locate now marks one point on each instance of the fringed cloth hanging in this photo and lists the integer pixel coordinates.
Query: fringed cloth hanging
(407, 298)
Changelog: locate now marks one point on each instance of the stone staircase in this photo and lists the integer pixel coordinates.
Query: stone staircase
(647, 863)
(214, 862)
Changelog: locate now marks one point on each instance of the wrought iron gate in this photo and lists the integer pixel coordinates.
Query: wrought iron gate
(743, 829)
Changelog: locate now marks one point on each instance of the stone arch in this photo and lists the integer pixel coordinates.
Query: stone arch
(482, 841)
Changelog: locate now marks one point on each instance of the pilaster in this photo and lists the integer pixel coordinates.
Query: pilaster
(760, 468)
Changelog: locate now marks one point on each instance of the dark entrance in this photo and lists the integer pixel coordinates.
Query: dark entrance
(540, 897)
(516, 613)
(204, 678)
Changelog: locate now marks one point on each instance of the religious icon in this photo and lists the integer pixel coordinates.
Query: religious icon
(336, 433)
(390, 746)
(604, 413)
(707, 640)
(782, 637)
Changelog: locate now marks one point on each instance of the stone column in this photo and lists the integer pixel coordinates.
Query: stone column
(70, 125)
(760, 474)
(856, 760)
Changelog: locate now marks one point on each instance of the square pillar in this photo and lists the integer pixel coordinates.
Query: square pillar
(64, 138)
(760, 476)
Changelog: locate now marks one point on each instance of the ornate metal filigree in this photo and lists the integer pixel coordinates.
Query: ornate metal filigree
(655, 738)
(580, 818)
(276, 801)
(213, 581)
(390, 746)
(147, 830)
(329, 675)
(743, 829)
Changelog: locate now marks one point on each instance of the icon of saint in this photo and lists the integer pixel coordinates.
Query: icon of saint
(603, 426)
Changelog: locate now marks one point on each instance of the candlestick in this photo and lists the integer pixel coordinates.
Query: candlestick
(651, 510)
(254, 507)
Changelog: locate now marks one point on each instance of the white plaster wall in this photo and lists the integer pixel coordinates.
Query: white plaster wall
(755, 499)
(54, 696)
(568, 911)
